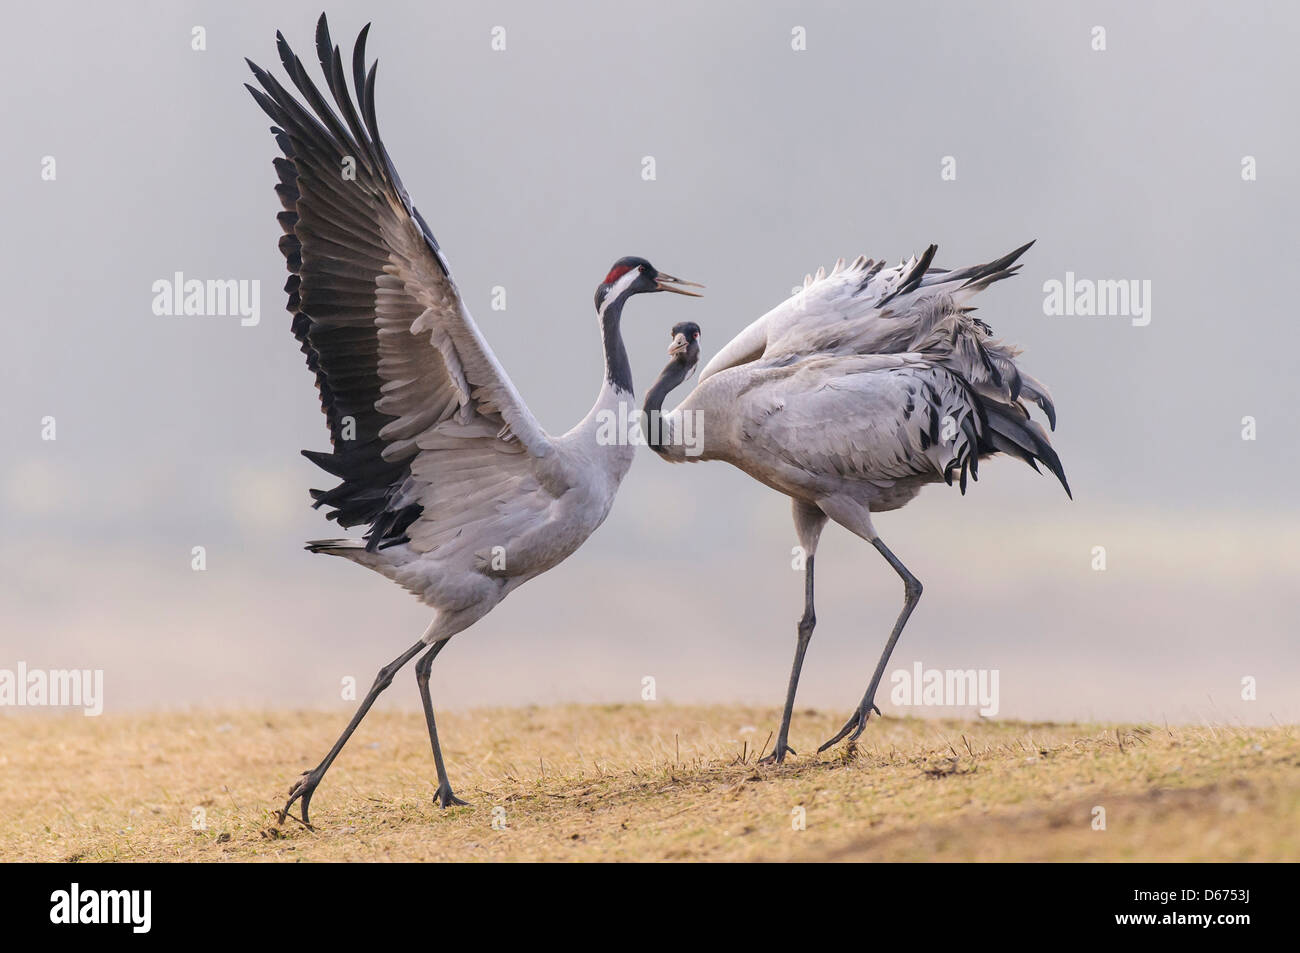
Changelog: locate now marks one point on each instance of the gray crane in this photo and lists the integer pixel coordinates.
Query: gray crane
(849, 397)
(465, 496)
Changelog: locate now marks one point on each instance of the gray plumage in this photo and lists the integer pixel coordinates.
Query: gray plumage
(853, 394)
(465, 496)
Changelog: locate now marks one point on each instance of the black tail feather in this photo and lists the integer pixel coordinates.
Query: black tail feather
(912, 280)
(1011, 431)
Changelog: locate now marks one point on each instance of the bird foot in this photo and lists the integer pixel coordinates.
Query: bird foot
(857, 721)
(302, 790)
(778, 754)
(445, 797)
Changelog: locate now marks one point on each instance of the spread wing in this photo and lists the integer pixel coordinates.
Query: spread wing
(410, 389)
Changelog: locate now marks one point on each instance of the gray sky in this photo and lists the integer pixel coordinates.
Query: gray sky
(1124, 164)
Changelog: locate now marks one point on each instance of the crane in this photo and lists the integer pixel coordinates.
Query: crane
(850, 396)
(465, 497)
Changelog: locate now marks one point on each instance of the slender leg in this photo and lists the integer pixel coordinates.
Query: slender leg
(422, 667)
(911, 595)
(306, 785)
(806, 625)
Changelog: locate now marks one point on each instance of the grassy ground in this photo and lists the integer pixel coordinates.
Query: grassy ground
(649, 782)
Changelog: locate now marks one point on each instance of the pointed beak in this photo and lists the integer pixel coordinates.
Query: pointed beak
(679, 341)
(675, 285)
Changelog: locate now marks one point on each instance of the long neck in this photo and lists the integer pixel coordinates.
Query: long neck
(617, 369)
(669, 379)
(601, 437)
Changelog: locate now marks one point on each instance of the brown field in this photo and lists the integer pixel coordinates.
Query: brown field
(648, 782)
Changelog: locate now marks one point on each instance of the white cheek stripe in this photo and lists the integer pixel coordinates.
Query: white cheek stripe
(618, 287)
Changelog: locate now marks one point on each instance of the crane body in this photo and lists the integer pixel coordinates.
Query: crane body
(851, 396)
(465, 497)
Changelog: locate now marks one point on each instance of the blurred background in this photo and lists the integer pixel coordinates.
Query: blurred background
(176, 432)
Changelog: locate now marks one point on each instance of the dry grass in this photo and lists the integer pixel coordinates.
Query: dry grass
(650, 782)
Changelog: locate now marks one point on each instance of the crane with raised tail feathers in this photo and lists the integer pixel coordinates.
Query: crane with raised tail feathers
(848, 397)
(465, 496)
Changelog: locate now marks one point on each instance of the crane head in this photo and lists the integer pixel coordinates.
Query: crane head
(631, 275)
(685, 347)
(686, 339)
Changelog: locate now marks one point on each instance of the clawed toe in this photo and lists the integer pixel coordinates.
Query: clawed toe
(778, 755)
(302, 789)
(856, 723)
(445, 798)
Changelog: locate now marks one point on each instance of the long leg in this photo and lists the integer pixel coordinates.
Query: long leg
(808, 523)
(805, 632)
(422, 667)
(911, 595)
(306, 785)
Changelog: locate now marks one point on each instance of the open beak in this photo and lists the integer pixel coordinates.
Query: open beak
(679, 341)
(669, 283)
